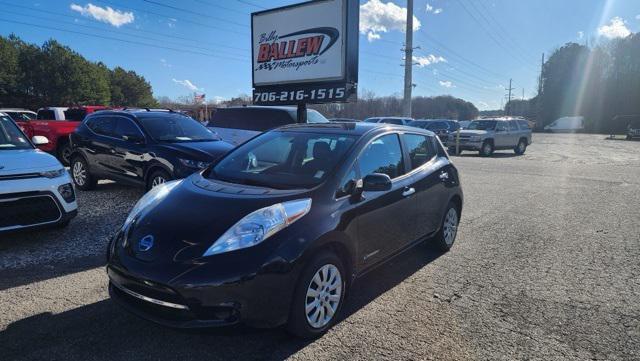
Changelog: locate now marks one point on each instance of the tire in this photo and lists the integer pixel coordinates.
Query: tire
(487, 148)
(64, 153)
(521, 147)
(82, 178)
(446, 236)
(629, 137)
(156, 178)
(312, 324)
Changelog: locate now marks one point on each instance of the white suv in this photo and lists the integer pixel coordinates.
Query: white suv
(35, 189)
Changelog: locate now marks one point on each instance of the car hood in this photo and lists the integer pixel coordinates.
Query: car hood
(473, 132)
(192, 216)
(22, 161)
(201, 150)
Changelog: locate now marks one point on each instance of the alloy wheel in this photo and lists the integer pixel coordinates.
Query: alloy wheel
(79, 173)
(323, 296)
(450, 226)
(157, 181)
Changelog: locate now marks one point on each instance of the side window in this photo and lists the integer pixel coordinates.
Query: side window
(383, 155)
(347, 184)
(102, 125)
(513, 126)
(46, 115)
(420, 149)
(501, 126)
(523, 124)
(125, 127)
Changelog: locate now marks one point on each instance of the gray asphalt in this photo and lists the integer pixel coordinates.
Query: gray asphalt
(546, 266)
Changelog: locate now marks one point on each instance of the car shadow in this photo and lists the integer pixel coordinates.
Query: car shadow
(103, 330)
(494, 155)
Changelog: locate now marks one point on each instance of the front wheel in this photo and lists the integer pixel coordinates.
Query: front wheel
(448, 228)
(486, 149)
(318, 297)
(82, 178)
(157, 178)
(521, 147)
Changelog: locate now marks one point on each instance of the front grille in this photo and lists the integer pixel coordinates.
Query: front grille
(19, 176)
(28, 211)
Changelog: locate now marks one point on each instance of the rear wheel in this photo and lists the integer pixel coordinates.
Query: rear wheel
(318, 297)
(521, 147)
(157, 178)
(487, 148)
(82, 178)
(448, 228)
(64, 153)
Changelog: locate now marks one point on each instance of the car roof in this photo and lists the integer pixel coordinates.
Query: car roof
(351, 128)
(278, 107)
(53, 108)
(15, 110)
(138, 113)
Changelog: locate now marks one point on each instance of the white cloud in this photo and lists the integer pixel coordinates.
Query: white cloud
(446, 84)
(580, 34)
(172, 22)
(617, 28)
(431, 9)
(428, 60)
(107, 15)
(638, 17)
(483, 105)
(377, 17)
(187, 84)
(165, 63)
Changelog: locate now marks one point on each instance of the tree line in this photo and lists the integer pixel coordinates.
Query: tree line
(598, 82)
(34, 76)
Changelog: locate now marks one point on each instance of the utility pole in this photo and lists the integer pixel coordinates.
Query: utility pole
(508, 106)
(408, 60)
(522, 93)
(541, 73)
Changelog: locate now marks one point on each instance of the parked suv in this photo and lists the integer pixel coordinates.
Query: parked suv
(35, 189)
(19, 114)
(442, 127)
(56, 123)
(236, 125)
(488, 135)
(143, 147)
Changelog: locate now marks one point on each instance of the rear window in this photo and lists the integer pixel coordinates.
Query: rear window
(251, 118)
(76, 115)
(523, 124)
(393, 121)
(46, 115)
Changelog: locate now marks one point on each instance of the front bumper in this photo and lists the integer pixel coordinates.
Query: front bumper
(464, 144)
(223, 292)
(34, 202)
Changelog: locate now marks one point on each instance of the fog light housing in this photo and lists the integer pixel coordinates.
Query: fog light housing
(67, 193)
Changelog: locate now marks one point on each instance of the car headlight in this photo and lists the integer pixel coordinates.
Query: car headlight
(150, 199)
(194, 163)
(260, 225)
(474, 138)
(54, 173)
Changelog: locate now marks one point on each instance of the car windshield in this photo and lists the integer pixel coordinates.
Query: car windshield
(10, 135)
(174, 128)
(418, 124)
(482, 125)
(284, 160)
(436, 125)
(372, 120)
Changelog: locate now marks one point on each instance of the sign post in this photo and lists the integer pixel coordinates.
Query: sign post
(305, 53)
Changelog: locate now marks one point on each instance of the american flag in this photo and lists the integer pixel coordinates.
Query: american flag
(199, 98)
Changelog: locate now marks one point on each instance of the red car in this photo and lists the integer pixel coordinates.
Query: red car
(56, 123)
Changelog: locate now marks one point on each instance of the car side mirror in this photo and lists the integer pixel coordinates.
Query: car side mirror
(133, 139)
(39, 140)
(376, 182)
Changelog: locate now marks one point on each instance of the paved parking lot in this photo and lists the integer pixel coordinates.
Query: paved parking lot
(546, 266)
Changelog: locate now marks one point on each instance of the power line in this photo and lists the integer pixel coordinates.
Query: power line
(491, 36)
(193, 12)
(222, 7)
(251, 4)
(172, 17)
(116, 39)
(124, 33)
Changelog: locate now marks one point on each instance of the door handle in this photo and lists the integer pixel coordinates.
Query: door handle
(408, 191)
(444, 176)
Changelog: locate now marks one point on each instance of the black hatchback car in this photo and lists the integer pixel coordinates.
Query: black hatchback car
(143, 147)
(276, 231)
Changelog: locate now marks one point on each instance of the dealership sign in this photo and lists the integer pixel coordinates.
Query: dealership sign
(305, 53)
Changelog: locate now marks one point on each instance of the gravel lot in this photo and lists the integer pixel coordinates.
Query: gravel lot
(546, 266)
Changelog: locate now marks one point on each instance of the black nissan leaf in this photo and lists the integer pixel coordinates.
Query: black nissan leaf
(277, 230)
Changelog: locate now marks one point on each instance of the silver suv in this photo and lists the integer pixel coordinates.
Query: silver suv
(488, 135)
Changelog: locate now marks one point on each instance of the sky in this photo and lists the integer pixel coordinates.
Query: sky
(467, 48)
